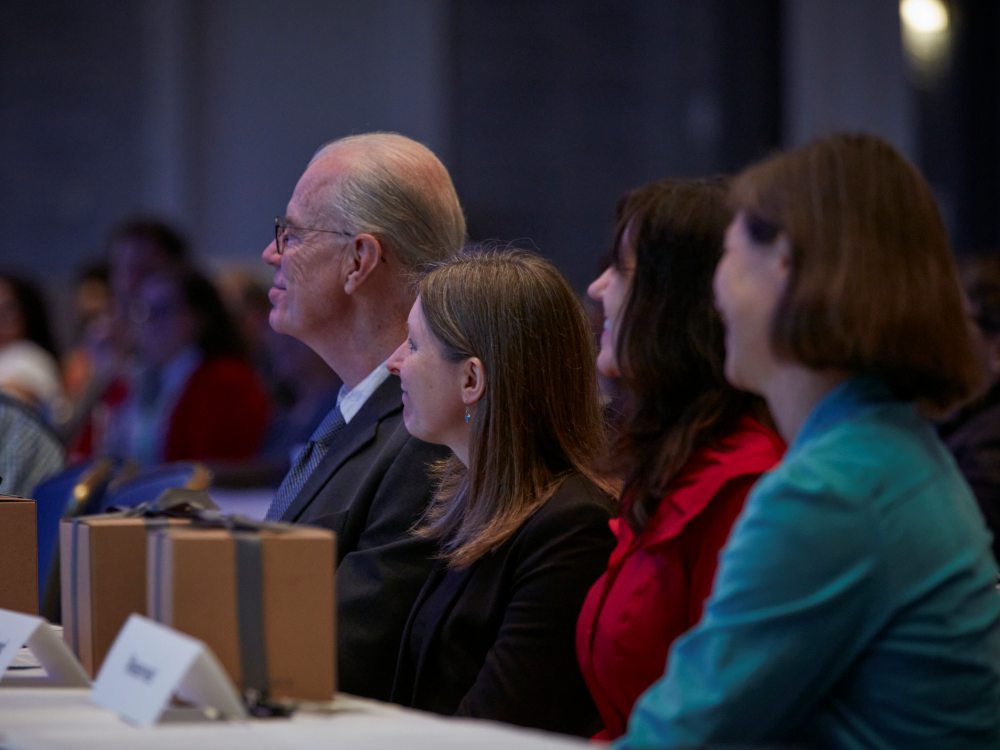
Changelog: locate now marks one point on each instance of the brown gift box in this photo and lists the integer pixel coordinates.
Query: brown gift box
(103, 579)
(18, 555)
(263, 600)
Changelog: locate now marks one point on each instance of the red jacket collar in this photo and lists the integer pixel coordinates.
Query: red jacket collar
(749, 450)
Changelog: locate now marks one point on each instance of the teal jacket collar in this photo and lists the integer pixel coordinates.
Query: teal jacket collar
(850, 399)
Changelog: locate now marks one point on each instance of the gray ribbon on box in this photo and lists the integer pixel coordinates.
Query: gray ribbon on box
(250, 611)
(249, 590)
(171, 503)
(249, 594)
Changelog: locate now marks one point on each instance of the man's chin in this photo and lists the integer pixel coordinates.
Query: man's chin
(279, 323)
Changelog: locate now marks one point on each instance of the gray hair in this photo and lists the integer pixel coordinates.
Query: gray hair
(398, 191)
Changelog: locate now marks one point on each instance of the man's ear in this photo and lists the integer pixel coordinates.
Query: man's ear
(362, 256)
(473, 381)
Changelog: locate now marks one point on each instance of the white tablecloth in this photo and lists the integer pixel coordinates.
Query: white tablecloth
(65, 719)
(44, 718)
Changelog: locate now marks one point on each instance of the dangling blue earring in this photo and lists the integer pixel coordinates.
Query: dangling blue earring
(466, 413)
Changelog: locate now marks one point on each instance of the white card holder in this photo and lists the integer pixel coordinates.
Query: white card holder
(149, 663)
(61, 666)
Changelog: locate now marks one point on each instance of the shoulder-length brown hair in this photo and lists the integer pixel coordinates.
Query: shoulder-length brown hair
(872, 286)
(539, 417)
(670, 348)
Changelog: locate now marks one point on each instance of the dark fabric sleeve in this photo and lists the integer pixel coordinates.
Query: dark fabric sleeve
(379, 580)
(531, 676)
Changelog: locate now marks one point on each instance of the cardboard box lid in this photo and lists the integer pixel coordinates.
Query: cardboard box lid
(112, 519)
(298, 532)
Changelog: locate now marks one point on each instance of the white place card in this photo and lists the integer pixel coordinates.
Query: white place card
(149, 663)
(18, 629)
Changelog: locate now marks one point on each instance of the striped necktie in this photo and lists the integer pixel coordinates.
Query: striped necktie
(306, 462)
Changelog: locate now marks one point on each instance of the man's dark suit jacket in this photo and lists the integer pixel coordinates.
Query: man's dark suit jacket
(370, 488)
(497, 640)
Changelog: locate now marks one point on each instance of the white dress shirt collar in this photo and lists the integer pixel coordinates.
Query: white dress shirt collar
(351, 401)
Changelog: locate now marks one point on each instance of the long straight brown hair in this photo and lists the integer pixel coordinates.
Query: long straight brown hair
(539, 417)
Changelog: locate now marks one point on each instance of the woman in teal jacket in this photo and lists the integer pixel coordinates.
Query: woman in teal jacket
(855, 605)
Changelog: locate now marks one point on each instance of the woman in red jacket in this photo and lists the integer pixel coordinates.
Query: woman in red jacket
(690, 446)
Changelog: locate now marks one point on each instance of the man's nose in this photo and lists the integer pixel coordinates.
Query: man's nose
(270, 255)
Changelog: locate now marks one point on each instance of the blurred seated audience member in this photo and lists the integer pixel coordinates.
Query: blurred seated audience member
(307, 392)
(690, 448)
(855, 604)
(29, 370)
(137, 247)
(498, 366)
(192, 396)
(972, 434)
(29, 451)
(83, 381)
(91, 317)
(246, 300)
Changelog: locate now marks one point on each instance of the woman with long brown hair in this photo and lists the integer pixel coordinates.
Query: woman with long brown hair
(690, 447)
(855, 604)
(498, 366)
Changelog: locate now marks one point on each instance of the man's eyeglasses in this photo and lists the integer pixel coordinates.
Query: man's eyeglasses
(281, 230)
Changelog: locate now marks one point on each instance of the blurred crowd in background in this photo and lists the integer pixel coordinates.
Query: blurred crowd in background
(163, 363)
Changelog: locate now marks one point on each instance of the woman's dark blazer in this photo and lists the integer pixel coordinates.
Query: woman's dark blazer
(498, 641)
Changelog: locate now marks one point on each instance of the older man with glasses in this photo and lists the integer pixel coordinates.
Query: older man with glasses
(368, 212)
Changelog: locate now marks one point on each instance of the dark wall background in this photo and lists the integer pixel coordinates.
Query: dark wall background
(958, 125)
(559, 107)
(545, 111)
(203, 111)
(70, 87)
